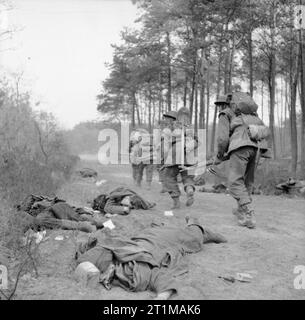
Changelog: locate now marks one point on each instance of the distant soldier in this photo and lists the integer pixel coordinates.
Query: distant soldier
(141, 157)
(179, 158)
(240, 131)
(164, 142)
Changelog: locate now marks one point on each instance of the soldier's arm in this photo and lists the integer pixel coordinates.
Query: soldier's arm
(223, 136)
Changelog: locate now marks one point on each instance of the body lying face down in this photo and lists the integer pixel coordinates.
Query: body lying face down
(152, 260)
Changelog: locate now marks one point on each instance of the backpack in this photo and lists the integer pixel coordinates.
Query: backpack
(245, 110)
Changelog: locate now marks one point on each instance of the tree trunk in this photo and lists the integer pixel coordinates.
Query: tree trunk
(262, 100)
(212, 145)
(272, 106)
(193, 86)
(293, 118)
(160, 98)
(202, 100)
(213, 131)
(302, 100)
(185, 91)
(250, 53)
(272, 85)
(149, 109)
(208, 103)
(231, 66)
(169, 73)
(196, 109)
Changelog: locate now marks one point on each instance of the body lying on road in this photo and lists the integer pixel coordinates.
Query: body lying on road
(153, 260)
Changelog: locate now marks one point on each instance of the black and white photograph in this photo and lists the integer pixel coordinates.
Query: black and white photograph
(152, 150)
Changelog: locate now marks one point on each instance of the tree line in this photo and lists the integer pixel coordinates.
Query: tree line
(189, 52)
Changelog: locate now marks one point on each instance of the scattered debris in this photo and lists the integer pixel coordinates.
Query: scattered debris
(168, 213)
(241, 277)
(109, 224)
(37, 236)
(59, 238)
(227, 278)
(101, 182)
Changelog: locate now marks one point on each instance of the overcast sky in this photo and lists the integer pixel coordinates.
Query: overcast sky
(62, 49)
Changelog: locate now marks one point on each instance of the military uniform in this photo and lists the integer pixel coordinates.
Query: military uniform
(163, 144)
(234, 140)
(141, 157)
(180, 154)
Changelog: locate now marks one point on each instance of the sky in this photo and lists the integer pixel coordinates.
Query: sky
(61, 49)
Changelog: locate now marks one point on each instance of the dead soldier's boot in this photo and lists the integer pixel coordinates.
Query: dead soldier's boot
(190, 196)
(176, 203)
(213, 237)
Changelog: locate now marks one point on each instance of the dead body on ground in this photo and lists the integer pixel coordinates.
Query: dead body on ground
(151, 260)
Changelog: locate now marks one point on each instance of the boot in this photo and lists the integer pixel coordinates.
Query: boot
(190, 196)
(106, 278)
(211, 237)
(246, 218)
(238, 213)
(250, 219)
(176, 204)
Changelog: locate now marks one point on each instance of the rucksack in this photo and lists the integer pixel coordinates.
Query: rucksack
(245, 110)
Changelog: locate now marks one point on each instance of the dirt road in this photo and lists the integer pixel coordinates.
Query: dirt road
(270, 252)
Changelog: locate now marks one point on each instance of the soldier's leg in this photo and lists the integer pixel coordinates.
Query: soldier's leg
(171, 184)
(149, 174)
(239, 160)
(140, 170)
(161, 177)
(134, 173)
(250, 172)
(249, 181)
(189, 187)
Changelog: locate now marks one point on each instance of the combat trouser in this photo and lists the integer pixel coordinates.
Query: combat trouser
(134, 172)
(241, 174)
(170, 182)
(149, 168)
(161, 173)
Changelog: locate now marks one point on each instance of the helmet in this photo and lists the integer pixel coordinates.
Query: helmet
(221, 100)
(170, 114)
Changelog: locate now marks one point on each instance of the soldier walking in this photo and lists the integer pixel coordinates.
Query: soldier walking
(240, 131)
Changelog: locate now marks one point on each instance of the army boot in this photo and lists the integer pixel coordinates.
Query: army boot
(250, 218)
(176, 204)
(246, 218)
(190, 196)
(238, 212)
